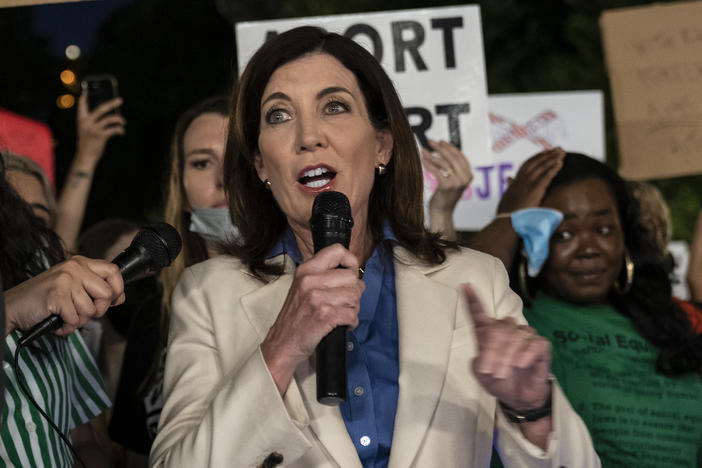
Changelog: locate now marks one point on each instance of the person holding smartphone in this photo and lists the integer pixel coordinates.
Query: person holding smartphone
(95, 126)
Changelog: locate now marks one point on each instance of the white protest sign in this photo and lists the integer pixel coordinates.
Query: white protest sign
(681, 254)
(434, 57)
(522, 125)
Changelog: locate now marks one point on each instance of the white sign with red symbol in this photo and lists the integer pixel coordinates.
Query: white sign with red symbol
(522, 125)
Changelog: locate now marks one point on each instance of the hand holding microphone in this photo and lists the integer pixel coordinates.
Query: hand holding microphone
(325, 296)
(77, 289)
(331, 223)
(74, 291)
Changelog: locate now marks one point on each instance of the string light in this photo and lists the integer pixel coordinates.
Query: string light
(67, 77)
(73, 52)
(65, 101)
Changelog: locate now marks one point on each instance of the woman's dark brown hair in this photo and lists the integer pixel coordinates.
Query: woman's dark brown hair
(396, 196)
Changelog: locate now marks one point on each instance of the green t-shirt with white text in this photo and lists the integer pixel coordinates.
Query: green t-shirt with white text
(636, 416)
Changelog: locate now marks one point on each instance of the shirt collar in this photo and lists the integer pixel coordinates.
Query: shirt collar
(288, 244)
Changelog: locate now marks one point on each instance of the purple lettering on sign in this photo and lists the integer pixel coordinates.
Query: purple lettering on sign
(484, 192)
(503, 177)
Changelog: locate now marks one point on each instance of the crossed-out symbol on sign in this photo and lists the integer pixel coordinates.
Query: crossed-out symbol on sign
(542, 130)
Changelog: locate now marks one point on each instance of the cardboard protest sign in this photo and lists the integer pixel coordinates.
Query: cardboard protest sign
(434, 57)
(654, 57)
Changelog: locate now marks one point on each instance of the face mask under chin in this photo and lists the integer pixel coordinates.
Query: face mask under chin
(214, 225)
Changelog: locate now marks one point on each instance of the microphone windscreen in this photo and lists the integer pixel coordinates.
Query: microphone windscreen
(162, 241)
(331, 203)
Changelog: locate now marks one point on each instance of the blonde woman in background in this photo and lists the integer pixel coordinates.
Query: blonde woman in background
(196, 206)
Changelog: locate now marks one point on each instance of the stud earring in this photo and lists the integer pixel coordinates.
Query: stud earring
(381, 169)
(267, 182)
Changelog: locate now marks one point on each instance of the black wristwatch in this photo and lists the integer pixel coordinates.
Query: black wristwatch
(531, 415)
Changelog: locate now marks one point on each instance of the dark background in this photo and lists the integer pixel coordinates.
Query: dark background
(169, 54)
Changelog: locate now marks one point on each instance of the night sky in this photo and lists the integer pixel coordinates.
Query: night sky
(76, 23)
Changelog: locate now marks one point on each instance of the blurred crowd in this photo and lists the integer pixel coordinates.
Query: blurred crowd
(586, 251)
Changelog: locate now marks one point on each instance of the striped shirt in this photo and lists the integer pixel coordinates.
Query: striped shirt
(65, 382)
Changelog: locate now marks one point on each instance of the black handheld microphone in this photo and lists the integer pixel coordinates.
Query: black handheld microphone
(331, 223)
(154, 247)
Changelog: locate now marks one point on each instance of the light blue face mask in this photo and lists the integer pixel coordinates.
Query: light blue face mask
(535, 226)
(213, 224)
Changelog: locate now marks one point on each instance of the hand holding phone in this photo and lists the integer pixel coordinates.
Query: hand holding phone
(98, 117)
(100, 89)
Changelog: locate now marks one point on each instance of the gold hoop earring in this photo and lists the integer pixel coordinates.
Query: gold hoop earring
(381, 169)
(267, 182)
(629, 268)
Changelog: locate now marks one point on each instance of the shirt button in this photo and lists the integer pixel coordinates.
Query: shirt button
(349, 346)
(31, 427)
(358, 391)
(365, 441)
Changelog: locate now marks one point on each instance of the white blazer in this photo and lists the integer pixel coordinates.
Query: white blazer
(222, 408)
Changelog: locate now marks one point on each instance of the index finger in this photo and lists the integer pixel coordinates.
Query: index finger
(538, 161)
(333, 256)
(107, 271)
(83, 104)
(475, 307)
(106, 107)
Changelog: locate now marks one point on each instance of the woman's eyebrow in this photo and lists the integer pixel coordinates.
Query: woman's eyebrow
(603, 212)
(332, 90)
(276, 95)
(195, 151)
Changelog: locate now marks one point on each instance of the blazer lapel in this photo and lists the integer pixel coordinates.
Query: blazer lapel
(262, 307)
(426, 317)
(263, 304)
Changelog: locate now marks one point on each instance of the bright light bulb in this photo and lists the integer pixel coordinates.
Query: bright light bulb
(73, 52)
(68, 77)
(65, 101)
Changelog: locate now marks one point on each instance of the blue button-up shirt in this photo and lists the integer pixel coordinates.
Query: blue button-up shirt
(372, 359)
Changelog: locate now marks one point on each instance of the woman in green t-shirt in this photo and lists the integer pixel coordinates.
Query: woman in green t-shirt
(624, 350)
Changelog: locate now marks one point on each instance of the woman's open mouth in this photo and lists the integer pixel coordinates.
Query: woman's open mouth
(317, 177)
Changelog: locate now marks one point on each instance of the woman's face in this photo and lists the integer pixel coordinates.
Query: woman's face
(203, 148)
(29, 188)
(587, 250)
(315, 135)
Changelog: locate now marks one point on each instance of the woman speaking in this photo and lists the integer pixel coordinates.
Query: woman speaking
(315, 112)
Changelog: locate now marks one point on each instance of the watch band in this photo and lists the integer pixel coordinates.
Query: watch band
(530, 415)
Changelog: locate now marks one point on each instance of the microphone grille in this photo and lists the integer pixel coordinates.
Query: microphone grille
(331, 203)
(162, 241)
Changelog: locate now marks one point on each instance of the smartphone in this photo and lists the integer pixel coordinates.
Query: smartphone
(99, 89)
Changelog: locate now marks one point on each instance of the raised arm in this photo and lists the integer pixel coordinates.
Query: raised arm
(94, 129)
(526, 191)
(453, 175)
